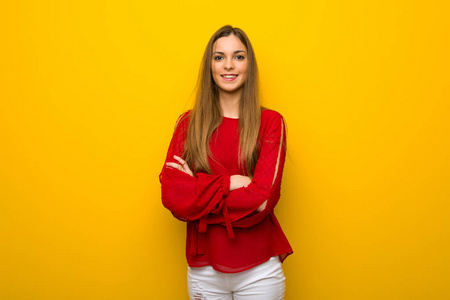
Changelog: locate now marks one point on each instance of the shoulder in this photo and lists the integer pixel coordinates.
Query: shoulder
(181, 126)
(184, 117)
(271, 118)
(183, 120)
(272, 124)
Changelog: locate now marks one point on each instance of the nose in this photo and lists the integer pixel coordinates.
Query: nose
(229, 64)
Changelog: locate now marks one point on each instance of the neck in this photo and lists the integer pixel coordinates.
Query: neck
(230, 104)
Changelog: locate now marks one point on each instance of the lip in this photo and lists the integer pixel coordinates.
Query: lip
(229, 79)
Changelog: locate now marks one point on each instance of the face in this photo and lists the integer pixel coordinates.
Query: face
(229, 64)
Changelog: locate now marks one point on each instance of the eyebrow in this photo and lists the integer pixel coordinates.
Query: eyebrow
(237, 51)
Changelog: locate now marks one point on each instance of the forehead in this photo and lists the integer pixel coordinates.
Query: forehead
(229, 43)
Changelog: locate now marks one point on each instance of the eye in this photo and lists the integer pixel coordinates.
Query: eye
(218, 57)
(240, 57)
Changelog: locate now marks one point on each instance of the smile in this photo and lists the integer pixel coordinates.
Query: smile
(229, 77)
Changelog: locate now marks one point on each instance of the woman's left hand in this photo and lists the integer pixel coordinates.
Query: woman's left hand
(182, 165)
(262, 206)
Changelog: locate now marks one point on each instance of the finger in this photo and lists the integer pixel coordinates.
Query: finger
(174, 165)
(184, 165)
(188, 170)
(179, 159)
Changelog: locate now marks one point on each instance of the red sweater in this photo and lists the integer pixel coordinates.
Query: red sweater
(223, 228)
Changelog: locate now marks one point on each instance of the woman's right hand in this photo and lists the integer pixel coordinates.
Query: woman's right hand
(238, 181)
(181, 165)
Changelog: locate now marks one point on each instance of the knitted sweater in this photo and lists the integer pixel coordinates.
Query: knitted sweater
(224, 229)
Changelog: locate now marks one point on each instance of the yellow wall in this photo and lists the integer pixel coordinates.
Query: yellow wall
(89, 94)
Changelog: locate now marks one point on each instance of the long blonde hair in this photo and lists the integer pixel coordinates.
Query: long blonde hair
(206, 115)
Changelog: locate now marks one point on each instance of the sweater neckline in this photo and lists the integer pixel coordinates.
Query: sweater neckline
(228, 118)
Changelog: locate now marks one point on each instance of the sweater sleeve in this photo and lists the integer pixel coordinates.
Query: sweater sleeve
(240, 205)
(190, 198)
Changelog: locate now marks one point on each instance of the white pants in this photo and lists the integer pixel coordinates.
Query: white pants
(263, 282)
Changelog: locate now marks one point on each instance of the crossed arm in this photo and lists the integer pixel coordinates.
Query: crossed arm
(192, 196)
(236, 181)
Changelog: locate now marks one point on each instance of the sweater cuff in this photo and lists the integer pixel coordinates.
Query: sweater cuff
(226, 185)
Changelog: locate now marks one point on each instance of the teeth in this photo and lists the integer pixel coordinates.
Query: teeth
(229, 76)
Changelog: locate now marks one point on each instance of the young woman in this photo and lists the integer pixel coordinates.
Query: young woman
(222, 176)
